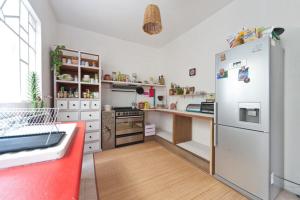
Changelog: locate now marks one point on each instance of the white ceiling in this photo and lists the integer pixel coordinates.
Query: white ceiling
(124, 18)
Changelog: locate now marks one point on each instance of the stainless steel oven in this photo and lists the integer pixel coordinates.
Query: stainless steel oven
(129, 126)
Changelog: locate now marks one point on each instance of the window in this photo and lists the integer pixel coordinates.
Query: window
(20, 50)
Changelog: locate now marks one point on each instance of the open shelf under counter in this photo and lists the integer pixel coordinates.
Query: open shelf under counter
(165, 135)
(196, 148)
(131, 83)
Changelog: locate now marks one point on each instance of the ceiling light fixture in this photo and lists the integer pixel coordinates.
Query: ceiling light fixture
(152, 21)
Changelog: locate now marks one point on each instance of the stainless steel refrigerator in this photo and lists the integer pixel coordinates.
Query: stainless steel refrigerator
(249, 118)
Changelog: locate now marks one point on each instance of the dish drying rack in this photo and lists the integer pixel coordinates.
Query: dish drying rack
(24, 129)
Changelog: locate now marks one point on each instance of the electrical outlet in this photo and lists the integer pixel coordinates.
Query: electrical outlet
(272, 178)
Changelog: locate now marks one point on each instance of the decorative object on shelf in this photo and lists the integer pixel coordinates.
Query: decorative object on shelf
(192, 72)
(179, 91)
(173, 106)
(134, 77)
(107, 77)
(114, 76)
(75, 60)
(160, 104)
(56, 61)
(192, 90)
(151, 91)
(141, 105)
(96, 78)
(140, 90)
(210, 97)
(252, 34)
(146, 105)
(76, 93)
(34, 91)
(161, 80)
(86, 78)
(152, 20)
(65, 77)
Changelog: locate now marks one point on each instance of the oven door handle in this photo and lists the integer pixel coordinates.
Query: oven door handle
(129, 117)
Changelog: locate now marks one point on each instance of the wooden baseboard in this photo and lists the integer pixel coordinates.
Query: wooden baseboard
(197, 161)
(149, 138)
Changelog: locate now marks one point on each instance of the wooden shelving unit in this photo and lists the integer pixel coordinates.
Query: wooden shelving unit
(75, 106)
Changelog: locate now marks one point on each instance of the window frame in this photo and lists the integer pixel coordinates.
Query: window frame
(37, 48)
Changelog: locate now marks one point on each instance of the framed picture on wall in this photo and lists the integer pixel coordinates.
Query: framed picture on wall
(192, 72)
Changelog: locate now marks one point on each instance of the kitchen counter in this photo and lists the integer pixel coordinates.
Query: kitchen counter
(183, 113)
(181, 134)
(56, 179)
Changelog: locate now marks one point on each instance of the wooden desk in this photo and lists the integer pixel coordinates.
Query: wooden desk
(182, 130)
(56, 179)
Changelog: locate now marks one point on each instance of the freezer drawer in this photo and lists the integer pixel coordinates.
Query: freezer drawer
(242, 158)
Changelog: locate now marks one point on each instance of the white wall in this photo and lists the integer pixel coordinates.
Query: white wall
(116, 55)
(197, 48)
(48, 26)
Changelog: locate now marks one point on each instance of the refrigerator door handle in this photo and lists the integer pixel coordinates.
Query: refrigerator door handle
(215, 135)
(215, 112)
(215, 124)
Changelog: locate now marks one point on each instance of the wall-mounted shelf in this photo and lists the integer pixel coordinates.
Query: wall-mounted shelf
(186, 95)
(131, 83)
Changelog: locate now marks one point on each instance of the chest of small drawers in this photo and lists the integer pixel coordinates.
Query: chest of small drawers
(73, 110)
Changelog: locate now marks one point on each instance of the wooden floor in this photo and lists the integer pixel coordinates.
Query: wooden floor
(149, 171)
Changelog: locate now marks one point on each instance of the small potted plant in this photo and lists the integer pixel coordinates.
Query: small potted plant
(34, 91)
(56, 61)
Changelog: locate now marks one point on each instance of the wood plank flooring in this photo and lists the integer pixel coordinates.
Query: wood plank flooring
(150, 172)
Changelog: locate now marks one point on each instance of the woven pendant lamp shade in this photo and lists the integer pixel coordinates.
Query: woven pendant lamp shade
(152, 22)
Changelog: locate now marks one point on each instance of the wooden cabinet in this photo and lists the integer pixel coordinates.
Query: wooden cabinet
(108, 130)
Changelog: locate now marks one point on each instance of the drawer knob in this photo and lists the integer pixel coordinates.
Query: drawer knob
(73, 104)
(95, 104)
(90, 136)
(90, 126)
(90, 147)
(84, 104)
(68, 116)
(61, 104)
(90, 115)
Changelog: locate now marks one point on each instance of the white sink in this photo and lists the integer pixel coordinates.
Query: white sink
(40, 155)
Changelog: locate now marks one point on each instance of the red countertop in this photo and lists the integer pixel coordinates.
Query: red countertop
(51, 180)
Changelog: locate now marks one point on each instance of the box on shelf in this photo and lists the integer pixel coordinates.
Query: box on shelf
(149, 129)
